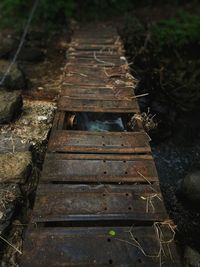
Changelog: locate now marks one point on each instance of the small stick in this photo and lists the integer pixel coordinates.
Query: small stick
(8, 243)
(137, 96)
(101, 61)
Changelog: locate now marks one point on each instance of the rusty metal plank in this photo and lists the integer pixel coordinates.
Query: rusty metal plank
(97, 29)
(97, 76)
(97, 54)
(84, 35)
(102, 72)
(94, 47)
(98, 168)
(92, 61)
(96, 92)
(96, 32)
(137, 203)
(96, 26)
(92, 105)
(96, 142)
(100, 97)
(59, 120)
(96, 41)
(95, 247)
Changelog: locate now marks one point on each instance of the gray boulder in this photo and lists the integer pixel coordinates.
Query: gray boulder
(15, 80)
(15, 167)
(10, 105)
(191, 187)
(191, 257)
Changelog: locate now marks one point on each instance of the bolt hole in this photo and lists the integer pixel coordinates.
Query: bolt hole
(126, 172)
(139, 260)
(127, 194)
(110, 262)
(104, 160)
(130, 208)
(103, 144)
(122, 144)
(124, 161)
(109, 240)
(104, 194)
(105, 172)
(105, 208)
(103, 136)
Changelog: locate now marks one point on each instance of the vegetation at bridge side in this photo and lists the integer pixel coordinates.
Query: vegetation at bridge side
(177, 32)
(165, 54)
(14, 12)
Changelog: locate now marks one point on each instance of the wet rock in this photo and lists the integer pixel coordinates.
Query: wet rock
(191, 187)
(10, 105)
(15, 80)
(31, 54)
(192, 257)
(15, 167)
(6, 45)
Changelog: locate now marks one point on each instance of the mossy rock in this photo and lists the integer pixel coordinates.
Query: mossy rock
(10, 105)
(15, 167)
(15, 79)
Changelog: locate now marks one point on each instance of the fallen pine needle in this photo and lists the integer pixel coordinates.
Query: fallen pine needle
(11, 245)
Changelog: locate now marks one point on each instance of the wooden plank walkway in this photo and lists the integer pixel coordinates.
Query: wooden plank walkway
(98, 201)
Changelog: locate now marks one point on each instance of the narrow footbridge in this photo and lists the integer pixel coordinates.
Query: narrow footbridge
(98, 201)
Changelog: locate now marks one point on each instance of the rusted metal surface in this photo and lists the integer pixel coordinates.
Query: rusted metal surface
(97, 31)
(94, 142)
(98, 168)
(86, 60)
(89, 247)
(109, 54)
(92, 105)
(96, 75)
(102, 72)
(95, 41)
(98, 203)
(59, 121)
(94, 182)
(97, 92)
(94, 47)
